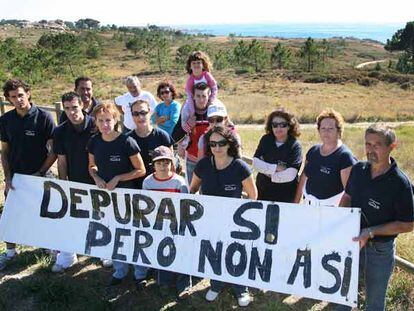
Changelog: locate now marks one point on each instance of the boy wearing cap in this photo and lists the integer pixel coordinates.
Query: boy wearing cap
(165, 179)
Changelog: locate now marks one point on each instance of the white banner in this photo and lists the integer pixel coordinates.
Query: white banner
(287, 248)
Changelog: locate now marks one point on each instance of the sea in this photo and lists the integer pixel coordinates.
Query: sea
(377, 32)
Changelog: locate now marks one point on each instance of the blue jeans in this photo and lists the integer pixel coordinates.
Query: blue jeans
(121, 270)
(182, 281)
(189, 169)
(217, 286)
(376, 263)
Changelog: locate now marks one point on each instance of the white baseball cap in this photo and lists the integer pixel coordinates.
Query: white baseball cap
(216, 109)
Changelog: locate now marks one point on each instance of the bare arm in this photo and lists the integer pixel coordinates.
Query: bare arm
(299, 189)
(138, 171)
(93, 171)
(390, 228)
(345, 200)
(250, 187)
(62, 166)
(195, 184)
(345, 175)
(51, 158)
(5, 149)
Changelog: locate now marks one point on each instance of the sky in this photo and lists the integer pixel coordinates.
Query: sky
(184, 12)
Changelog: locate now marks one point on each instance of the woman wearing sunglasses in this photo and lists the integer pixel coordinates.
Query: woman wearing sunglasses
(327, 165)
(167, 112)
(278, 158)
(216, 115)
(223, 173)
(147, 137)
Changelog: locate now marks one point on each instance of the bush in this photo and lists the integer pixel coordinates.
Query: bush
(367, 81)
(406, 86)
(315, 79)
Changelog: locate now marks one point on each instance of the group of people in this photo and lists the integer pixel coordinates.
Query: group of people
(90, 148)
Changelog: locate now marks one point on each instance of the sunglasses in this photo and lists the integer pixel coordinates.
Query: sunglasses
(165, 92)
(215, 120)
(220, 143)
(142, 113)
(280, 124)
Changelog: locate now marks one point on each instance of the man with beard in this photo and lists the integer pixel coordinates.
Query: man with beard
(384, 194)
(26, 142)
(84, 88)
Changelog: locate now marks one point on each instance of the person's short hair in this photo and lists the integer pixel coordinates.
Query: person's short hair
(331, 114)
(81, 79)
(289, 117)
(68, 97)
(198, 55)
(109, 108)
(383, 130)
(228, 135)
(140, 101)
(201, 87)
(132, 80)
(168, 84)
(14, 84)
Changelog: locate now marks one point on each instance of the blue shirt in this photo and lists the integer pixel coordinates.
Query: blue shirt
(226, 182)
(156, 138)
(112, 157)
(172, 112)
(290, 155)
(324, 172)
(383, 199)
(27, 137)
(73, 144)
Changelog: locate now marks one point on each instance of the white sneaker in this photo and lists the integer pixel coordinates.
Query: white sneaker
(211, 295)
(106, 263)
(244, 300)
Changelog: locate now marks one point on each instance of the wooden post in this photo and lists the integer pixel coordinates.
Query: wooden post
(58, 109)
(2, 109)
(2, 104)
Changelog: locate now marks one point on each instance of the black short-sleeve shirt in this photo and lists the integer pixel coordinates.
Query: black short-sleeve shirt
(27, 137)
(226, 182)
(383, 199)
(156, 138)
(73, 144)
(290, 155)
(324, 172)
(112, 158)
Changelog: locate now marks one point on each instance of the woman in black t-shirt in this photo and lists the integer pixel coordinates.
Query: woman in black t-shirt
(114, 162)
(222, 173)
(328, 165)
(147, 137)
(278, 158)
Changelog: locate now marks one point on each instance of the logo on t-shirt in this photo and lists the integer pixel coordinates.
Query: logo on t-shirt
(29, 133)
(115, 158)
(325, 170)
(229, 187)
(374, 204)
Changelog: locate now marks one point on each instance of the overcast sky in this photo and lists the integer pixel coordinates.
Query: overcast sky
(180, 12)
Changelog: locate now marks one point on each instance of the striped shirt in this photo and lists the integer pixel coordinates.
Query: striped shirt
(173, 184)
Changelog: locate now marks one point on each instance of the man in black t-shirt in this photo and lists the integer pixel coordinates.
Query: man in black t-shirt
(385, 196)
(26, 142)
